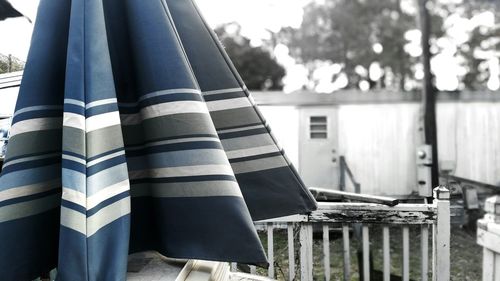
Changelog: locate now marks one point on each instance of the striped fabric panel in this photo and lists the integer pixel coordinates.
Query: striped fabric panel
(259, 163)
(31, 178)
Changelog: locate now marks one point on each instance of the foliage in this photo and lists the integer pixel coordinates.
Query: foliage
(10, 64)
(345, 32)
(257, 67)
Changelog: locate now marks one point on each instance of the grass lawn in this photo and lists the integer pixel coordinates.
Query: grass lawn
(466, 255)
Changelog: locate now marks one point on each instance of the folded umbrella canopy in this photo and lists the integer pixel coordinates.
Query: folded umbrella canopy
(133, 132)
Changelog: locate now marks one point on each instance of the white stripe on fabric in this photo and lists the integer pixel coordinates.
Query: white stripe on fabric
(224, 91)
(100, 121)
(107, 193)
(107, 215)
(240, 129)
(30, 158)
(37, 124)
(159, 93)
(74, 102)
(183, 171)
(74, 120)
(104, 158)
(251, 151)
(74, 220)
(224, 104)
(164, 109)
(74, 159)
(187, 189)
(27, 190)
(36, 108)
(182, 140)
(259, 164)
(74, 196)
(100, 102)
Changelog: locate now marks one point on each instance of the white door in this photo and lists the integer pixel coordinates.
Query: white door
(318, 147)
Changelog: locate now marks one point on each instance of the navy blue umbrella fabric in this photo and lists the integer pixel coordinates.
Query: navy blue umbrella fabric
(133, 132)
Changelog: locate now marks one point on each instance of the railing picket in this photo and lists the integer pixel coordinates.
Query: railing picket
(233, 267)
(291, 253)
(306, 252)
(442, 231)
(406, 253)
(346, 253)
(387, 253)
(424, 246)
(253, 269)
(270, 250)
(326, 250)
(366, 253)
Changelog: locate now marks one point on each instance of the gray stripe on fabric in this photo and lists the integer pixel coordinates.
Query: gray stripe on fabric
(247, 142)
(29, 208)
(259, 164)
(184, 171)
(169, 126)
(223, 91)
(235, 117)
(178, 158)
(160, 93)
(187, 189)
(240, 129)
(30, 158)
(36, 108)
(107, 215)
(252, 151)
(74, 102)
(74, 140)
(105, 178)
(104, 140)
(100, 102)
(73, 220)
(36, 142)
(30, 189)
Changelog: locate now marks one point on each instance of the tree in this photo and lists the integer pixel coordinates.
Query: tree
(10, 64)
(356, 33)
(257, 67)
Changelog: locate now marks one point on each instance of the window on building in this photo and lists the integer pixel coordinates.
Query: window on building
(318, 127)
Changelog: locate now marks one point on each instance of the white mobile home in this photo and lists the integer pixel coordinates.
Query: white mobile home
(378, 134)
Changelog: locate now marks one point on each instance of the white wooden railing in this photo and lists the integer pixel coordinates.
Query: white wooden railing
(488, 236)
(434, 218)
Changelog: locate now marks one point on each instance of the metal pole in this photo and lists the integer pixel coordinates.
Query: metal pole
(428, 95)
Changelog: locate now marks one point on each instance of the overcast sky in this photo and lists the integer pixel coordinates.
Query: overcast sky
(15, 33)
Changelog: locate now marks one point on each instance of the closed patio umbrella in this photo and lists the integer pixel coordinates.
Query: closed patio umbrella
(133, 132)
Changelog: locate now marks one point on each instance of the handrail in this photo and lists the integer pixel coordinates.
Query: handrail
(344, 169)
(356, 196)
(478, 183)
